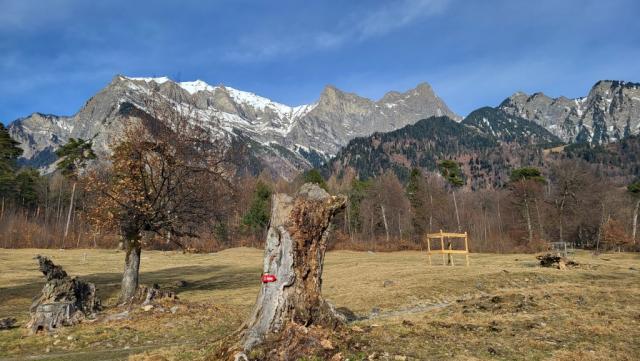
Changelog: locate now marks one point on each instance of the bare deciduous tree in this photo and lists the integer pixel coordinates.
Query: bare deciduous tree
(166, 175)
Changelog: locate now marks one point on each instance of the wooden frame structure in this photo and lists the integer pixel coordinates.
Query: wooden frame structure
(447, 251)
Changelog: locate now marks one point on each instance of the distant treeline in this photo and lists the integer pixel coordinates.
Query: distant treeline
(568, 200)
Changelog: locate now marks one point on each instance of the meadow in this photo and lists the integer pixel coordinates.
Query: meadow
(502, 307)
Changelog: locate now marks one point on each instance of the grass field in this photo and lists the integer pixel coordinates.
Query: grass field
(503, 307)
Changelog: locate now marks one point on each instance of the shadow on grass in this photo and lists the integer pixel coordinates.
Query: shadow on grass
(198, 278)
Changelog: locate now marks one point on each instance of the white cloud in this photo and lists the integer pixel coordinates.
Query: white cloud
(395, 15)
(381, 20)
(20, 14)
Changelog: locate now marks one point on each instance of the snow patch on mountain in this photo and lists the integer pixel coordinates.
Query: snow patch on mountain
(239, 96)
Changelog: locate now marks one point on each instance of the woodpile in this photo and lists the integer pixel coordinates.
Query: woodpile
(555, 261)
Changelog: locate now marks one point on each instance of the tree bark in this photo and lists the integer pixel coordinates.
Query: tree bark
(500, 223)
(540, 223)
(131, 273)
(430, 213)
(455, 204)
(600, 229)
(66, 228)
(527, 215)
(294, 253)
(384, 220)
(635, 221)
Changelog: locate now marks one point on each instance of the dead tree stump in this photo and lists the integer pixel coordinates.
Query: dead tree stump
(7, 323)
(63, 300)
(294, 254)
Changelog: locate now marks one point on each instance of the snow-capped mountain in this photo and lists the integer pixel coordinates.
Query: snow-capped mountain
(282, 138)
(610, 112)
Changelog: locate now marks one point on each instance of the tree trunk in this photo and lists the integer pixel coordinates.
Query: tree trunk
(66, 228)
(294, 254)
(527, 215)
(455, 204)
(561, 221)
(384, 219)
(131, 269)
(540, 223)
(600, 229)
(430, 213)
(635, 221)
(500, 223)
(59, 210)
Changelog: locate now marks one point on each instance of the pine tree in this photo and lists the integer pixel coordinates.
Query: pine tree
(314, 176)
(27, 181)
(74, 156)
(524, 183)
(9, 153)
(417, 195)
(257, 217)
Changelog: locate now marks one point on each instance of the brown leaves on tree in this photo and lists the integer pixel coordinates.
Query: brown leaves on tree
(614, 235)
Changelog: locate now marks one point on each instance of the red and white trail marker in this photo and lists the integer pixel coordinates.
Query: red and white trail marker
(266, 278)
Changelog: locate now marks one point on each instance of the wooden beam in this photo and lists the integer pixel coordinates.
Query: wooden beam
(446, 251)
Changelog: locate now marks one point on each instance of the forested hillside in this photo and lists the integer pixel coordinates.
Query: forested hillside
(486, 154)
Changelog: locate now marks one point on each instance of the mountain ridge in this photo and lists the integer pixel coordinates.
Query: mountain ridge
(488, 143)
(609, 112)
(309, 133)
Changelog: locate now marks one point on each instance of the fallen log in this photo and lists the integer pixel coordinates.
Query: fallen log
(63, 301)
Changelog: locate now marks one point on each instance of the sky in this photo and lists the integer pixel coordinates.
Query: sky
(56, 54)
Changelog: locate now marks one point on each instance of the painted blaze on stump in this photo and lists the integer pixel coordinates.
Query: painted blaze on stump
(294, 255)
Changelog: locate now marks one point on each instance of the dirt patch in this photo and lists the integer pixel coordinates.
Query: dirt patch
(498, 304)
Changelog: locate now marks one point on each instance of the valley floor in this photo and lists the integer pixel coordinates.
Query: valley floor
(502, 307)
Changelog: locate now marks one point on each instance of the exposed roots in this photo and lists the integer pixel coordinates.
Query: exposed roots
(297, 342)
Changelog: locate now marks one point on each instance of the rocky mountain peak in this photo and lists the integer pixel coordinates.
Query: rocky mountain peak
(424, 88)
(331, 95)
(610, 112)
(284, 139)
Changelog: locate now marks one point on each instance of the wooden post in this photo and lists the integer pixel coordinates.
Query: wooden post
(466, 248)
(429, 249)
(444, 262)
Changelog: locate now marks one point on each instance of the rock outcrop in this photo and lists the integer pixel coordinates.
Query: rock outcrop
(609, 113)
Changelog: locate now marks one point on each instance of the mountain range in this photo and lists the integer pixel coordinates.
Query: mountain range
(282, 138)
(610, 112)
(288, 139)
(487, 144)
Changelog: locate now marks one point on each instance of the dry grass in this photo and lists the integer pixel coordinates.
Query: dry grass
(502, 307)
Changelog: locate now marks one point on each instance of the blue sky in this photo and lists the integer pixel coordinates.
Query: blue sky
(56, 54)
